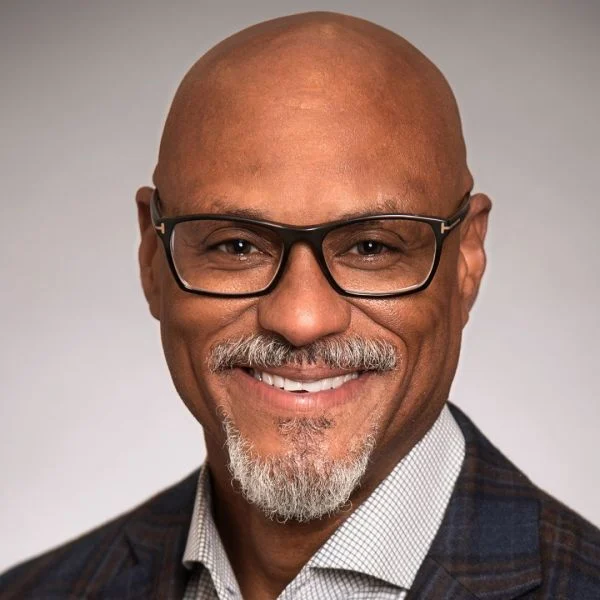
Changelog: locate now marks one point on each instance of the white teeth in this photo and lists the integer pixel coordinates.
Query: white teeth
(312, 386)
(329, 383)
(289, 385)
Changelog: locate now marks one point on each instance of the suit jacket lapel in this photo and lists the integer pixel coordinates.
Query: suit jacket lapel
(158, 548)
(147, 562)
(488, 544)
(433, 582)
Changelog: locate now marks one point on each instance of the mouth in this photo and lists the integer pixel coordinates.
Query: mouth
(291, 390)
(303, 385)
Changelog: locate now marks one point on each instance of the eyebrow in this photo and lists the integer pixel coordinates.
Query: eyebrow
(221, 206)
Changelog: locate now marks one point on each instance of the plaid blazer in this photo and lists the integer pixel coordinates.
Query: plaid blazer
(501, 538)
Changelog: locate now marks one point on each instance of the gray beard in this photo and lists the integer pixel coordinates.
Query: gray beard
(302, 484)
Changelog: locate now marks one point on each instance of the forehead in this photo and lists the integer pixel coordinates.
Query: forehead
(306, 173)
(306, 142)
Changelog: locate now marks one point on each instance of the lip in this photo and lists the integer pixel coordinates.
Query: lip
(266, 398)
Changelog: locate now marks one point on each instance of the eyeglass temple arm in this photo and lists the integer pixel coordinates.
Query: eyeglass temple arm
(155, 213)
(454, 220)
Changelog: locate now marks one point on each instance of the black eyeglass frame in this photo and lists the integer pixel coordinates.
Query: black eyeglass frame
(313, 235)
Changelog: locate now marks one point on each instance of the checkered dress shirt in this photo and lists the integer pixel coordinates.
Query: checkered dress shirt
(374, 555)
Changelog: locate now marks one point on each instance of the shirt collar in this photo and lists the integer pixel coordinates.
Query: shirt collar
(389, 534)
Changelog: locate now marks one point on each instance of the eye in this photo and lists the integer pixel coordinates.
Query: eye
(237, 246)
(368, 248)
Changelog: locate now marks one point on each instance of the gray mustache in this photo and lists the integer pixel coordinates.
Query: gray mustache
(263, 351)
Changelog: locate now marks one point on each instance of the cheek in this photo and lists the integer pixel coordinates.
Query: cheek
(427, 328)
(421, 326)
(435, 332)
(436, 338)
(190, 325)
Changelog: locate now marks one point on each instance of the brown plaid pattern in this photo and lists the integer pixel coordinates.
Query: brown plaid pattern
(501, 538)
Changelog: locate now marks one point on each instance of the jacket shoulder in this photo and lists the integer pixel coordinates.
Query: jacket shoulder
(568, 546)
(102, 553)
(569, 552)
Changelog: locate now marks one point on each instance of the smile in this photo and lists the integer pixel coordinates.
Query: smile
(291, 385)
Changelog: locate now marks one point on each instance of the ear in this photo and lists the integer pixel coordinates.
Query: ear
(148, 252)
(472, 259)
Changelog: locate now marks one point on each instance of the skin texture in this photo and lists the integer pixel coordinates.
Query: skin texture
(306, 119)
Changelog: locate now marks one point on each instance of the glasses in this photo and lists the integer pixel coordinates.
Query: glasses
(376, 256)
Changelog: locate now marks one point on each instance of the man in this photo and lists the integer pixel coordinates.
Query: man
(312, 249)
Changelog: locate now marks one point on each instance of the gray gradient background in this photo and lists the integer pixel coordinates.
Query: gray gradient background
(89, 421)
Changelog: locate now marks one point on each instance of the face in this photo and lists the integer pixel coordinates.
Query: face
(302, 154)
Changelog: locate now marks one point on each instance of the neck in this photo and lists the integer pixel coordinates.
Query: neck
(266, 555)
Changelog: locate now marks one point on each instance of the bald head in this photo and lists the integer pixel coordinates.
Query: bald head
(315, 94)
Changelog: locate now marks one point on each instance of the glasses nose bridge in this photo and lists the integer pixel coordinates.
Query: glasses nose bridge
(313, 237)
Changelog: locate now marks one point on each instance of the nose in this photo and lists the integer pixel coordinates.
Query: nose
(303, 307)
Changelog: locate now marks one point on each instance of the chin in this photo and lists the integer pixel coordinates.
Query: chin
(304, 479)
